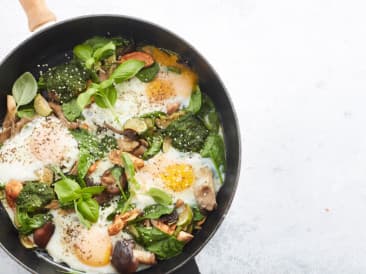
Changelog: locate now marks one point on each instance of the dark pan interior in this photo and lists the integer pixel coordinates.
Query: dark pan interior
(50, 46)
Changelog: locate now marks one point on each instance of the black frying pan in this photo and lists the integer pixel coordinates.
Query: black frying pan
(49, 47)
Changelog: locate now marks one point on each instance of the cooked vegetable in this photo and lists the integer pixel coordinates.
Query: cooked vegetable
(195, 101)
(158, 242)
(34, 196)
(26, 111)
(42, 235)
(160, 196)
(130, 170)
(155, 211)
(41, 106)
(24, 89)
(197, 215)
(214, 149)
(148, 74)
(187, 133)
(185, 218)
(122, 257)
(208, 115)
(155, 144)
(27, 224)
(64, 82)
(71, 110)
(136, 124)
(138, 55)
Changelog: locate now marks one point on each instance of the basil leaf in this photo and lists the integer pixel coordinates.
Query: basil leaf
(214, 148)
(148, 74)
(93, 190)
(160, 196)
(127, 70)
(81, 218)
(156, 211)
(88, 208)
(84, 98)
(71, 110)
(24, 89)
(105, 51)
(66, 190)
(195, 101)
(83, 52)
(106, 98)
(85, 161)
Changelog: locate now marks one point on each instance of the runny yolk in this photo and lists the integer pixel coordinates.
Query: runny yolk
(178, 177)
(159, 90)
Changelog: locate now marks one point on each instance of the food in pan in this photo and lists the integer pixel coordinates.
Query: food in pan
(111, 161)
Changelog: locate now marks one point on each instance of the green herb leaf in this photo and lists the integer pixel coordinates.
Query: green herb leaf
(84, 98)
(160, 196)
(167, 248)
(208, 115)
(81, 218)
(105, 51)
(34, 196)
(88, 208)
(174, 69)
(26, 224)
(195, 101)
(84, 53)
(24, 89)
(67, 190)
(26, 111)
(130, 170)
(93, 190)
(71, 110)
(197, 215)
(214, 148)
(155, 144)
(156, 211)
(127, 70)
(106, 98)
(148, 74)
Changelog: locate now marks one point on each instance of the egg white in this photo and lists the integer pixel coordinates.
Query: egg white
(20, 155)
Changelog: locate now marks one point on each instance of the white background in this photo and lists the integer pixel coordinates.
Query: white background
(296, 71)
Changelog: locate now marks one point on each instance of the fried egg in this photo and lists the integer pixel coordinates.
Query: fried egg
(41, 142)
(174, 172)
(136, 98)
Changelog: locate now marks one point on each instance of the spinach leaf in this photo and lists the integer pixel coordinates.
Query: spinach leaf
(27, 224)
(34, 196)
(24, 89)
(214, 148)
(167, 248)
(158, 242)
(155, 211)
(197, 215)
(160, 196)
(195, 101)
(208, 115)
(148, 74)
(71, 110)
(155, 144)
(26, 111)
(127, 70)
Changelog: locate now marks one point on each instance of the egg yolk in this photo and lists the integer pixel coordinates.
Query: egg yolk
(178, 177)
(94, 247)
(159, 90)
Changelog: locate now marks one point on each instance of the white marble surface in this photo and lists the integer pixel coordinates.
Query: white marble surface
(296, 71)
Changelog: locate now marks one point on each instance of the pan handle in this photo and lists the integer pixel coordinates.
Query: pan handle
(37, 12)
(190, 267)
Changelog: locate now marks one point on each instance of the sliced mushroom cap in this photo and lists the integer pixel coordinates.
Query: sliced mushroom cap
(204, 191)
(109, 181)
(184, 236)
(126, 144)
(10, 116)
(144, 257)
(122, 257)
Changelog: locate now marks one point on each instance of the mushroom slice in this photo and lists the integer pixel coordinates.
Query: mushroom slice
(126, 144)
(163, 227)
(115, 157)
(121, 220)
(122, 257)
(144, 257)
(184, 236)
(204, 191)
(10, 116)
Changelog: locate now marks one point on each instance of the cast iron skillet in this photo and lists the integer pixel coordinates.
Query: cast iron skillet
(49, 47)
